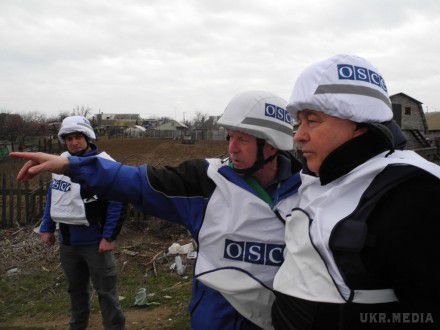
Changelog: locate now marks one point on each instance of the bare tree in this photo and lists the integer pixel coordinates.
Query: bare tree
(82, 110)
(62, 115)
(11, 126)
(188, 123)
(200, 122)
(35, 124)
(200, 119)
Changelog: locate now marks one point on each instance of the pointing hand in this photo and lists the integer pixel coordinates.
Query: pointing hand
(39, 162)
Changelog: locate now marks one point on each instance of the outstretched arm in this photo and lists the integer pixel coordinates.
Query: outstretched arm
(176, 194)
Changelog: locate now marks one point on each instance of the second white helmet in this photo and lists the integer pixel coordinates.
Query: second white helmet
(74, 124)
(261, 114)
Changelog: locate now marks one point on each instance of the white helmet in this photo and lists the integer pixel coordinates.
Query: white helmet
(262, 115)
(75, 124)
(343, 86)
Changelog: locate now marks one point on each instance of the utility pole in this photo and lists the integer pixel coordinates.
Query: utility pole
(184, 116)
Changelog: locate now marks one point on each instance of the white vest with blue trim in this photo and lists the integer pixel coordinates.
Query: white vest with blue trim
(309, 271)
(67, 205)
(240, 248)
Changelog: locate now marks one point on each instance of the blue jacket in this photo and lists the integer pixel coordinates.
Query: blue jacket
(104, 217)
(181, 195)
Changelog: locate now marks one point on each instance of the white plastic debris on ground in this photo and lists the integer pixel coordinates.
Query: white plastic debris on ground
(176, 248)
(141, 298)
(180, 267)
(191, 255)
(13, 271)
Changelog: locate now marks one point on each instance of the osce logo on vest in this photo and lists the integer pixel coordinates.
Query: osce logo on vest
(61, 185)
(352, 72)
(273, 111)
(254, 252)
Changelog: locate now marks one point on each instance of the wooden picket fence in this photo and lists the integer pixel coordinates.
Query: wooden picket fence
(21, 204)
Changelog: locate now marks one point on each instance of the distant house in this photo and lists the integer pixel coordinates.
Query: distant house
(433, 120)
(214, 130)
(171, 129)
(151, 122)
(118, 119)
(135, 131)
(409, 115)
(115, 123)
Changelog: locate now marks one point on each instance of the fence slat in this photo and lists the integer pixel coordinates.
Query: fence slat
(11, 200)
(19, 206)
(16, 209)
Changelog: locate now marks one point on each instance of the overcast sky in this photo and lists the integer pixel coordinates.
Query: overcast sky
(171, 57)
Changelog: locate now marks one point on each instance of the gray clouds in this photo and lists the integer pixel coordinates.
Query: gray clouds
(169, 57)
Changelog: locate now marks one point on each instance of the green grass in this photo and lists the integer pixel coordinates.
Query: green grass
(32, 294)
(167, 283)
(42, 295)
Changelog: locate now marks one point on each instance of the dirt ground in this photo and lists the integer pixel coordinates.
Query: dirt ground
(23, 250)
(160, 152)
(135, 319)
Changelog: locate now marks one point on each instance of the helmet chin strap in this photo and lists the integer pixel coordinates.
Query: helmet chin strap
(259, 162)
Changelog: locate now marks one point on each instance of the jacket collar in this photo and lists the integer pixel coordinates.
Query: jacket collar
(92, 152)
(352, 154)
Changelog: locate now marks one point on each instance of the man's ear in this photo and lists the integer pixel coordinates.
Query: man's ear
(359, 131)
(271, 149)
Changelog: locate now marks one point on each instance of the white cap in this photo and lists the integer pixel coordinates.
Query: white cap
(75, 124)
(262, 115)
(343, 86)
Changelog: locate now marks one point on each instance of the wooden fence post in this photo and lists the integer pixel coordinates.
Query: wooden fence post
(11, 200)
(19, 206)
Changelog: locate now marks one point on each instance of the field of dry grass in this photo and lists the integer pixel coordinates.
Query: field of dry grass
(160, 152)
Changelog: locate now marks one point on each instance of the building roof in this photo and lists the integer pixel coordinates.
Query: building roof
(171, 125)
(119, 116)
(141, 128)
(433, 120)
(406, 95)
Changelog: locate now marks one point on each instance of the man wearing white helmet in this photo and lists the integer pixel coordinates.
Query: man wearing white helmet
(88, 227)
(361, 232)
(227, 205)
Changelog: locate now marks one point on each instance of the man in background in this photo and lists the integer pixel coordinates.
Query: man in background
(88, 227)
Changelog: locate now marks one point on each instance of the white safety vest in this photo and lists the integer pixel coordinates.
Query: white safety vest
(309, 271)
(67, 205)
(240, 248)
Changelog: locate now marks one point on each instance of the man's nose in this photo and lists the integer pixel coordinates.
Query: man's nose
(233, 145)
(300, 135)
